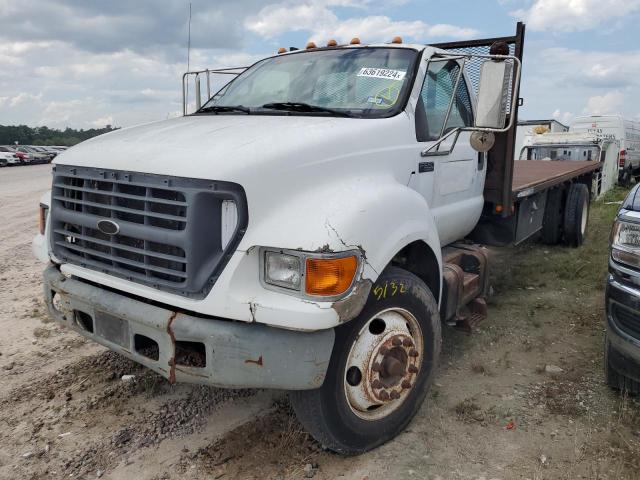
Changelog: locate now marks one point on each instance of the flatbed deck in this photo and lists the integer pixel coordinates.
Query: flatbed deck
(531, 176)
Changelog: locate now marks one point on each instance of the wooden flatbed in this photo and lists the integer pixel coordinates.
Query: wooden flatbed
(530, 176)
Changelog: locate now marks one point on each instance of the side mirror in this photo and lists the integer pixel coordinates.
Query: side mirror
(493, 92)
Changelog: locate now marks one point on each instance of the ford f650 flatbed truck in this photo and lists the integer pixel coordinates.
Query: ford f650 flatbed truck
(308, 227)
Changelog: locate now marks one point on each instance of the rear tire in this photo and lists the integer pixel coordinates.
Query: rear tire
(624, 179)
(576, 215)
(616, 380)
(382, 366)
(552, 222)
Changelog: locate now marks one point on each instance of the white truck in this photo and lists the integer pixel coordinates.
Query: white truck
(616, 128)
(580, 147)
(313, 237)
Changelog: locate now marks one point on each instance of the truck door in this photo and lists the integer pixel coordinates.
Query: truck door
(451, 178)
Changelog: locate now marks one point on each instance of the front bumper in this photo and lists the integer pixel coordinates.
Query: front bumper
(237, 355)
(623, 326)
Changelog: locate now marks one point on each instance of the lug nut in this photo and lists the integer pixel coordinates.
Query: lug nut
(406, 384)
(376, 367)
(413, 352)
(396, 342)
(383, 395)
(413, 369)
(376, 384)
(407, 342)
(394, 395)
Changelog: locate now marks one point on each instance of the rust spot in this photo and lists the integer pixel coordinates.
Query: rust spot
(188, 371)
(257, 362)
(172, 360)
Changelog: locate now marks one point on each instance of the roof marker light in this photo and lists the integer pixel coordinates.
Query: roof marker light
(355, 41)
(396, 40)
(332, 43)
(281, 50)
(311, 45)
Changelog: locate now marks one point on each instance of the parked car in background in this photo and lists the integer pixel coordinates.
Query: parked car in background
(622, 297)
(10, 156)
(36, 156)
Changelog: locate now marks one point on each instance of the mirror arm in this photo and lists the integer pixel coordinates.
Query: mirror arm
(428, 152)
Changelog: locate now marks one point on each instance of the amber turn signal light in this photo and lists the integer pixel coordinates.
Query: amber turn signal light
(329, 276)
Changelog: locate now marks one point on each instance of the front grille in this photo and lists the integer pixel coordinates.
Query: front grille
(168, 228)
(627, 320)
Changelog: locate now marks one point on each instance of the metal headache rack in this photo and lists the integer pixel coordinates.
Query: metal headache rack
(209, 76)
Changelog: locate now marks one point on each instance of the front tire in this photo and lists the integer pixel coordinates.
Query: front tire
(382, 366)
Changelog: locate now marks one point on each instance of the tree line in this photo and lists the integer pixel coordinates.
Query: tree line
(24, 135)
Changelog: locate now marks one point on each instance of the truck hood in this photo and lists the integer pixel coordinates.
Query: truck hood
(228, 147)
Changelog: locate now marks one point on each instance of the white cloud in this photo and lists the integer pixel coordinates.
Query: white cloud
(563, 117)
(574, 15)
(323, 23)
(103, 121)
(24, 97)
(610, 102)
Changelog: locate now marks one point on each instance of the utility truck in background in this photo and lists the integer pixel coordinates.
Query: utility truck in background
(616, 128)
(321, 229)
(577, 146)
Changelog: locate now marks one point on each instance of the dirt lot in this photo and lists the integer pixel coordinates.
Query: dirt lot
(494, 413)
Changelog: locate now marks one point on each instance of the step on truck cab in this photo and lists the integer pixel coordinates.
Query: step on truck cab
(304, 229)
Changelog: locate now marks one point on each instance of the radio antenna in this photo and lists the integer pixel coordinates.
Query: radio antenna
(188, 50)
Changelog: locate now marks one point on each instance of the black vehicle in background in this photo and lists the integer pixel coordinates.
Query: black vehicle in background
(622, 343)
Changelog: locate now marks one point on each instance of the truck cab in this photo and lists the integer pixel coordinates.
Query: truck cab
(303, 229)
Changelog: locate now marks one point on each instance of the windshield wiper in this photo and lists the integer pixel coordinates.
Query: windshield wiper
(224, 108)
(304, 107)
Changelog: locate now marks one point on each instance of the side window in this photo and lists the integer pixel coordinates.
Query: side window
(435, 97)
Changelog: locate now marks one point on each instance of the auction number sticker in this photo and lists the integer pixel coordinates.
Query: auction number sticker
(382, 73)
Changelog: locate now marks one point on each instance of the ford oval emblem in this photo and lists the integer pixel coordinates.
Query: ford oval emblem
(108, 227)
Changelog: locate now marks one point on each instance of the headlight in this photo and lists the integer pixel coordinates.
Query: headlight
(283, 270)
(625, 243)
(310, 274)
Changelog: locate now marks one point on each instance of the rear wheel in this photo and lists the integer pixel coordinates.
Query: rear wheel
(552, 223)
(624, 178)
(382, 365)
(576, 215)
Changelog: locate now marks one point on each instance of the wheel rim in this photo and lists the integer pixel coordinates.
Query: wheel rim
(585, 216)
(383, 364)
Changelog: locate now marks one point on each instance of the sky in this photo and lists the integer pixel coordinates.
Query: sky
(85, 64)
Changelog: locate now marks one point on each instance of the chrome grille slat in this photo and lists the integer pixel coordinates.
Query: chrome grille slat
(122, 209)
(116, 259)
(121, 246)
(168, 232)
(122, 195)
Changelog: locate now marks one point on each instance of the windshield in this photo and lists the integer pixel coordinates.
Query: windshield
(565, 152)
(363, 82)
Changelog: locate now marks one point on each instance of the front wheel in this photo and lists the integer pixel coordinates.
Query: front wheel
(382, 366)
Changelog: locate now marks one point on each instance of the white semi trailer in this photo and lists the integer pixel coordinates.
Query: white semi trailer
(307, 228)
